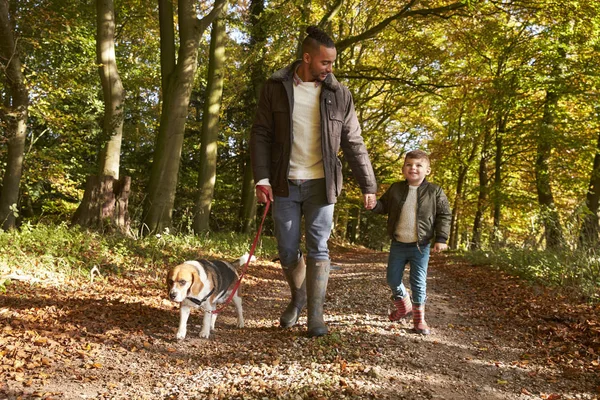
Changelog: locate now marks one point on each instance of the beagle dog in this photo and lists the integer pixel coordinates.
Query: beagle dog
(204, 284)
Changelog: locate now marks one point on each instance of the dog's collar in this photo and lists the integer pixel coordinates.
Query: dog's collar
(199, 302)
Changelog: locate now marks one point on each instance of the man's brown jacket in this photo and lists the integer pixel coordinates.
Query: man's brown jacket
(271, 136)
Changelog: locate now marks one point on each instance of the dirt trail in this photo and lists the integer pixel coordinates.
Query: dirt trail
(115, 340)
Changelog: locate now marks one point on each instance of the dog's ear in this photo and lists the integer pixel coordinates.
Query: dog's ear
(196, 286)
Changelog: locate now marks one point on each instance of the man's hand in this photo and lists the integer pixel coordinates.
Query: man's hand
(370, 200)
(264, 193)
(438, 247)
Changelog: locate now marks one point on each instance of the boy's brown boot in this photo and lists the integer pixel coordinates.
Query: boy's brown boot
(295, 276)
(403, 308)
(419, 320)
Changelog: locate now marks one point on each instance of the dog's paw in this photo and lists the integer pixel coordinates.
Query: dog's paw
(204, 334)
(180, 335)
(240, 324)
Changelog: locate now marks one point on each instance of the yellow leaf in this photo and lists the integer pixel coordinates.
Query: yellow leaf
(502, 382)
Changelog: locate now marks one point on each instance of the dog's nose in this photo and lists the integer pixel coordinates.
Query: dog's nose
(172, 295)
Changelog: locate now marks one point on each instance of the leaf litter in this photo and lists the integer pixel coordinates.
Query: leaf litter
(493, 337)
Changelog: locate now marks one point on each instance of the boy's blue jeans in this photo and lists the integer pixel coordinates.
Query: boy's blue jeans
(306, 198)
(418, 257)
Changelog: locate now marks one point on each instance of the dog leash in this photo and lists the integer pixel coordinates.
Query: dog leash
(254, 243)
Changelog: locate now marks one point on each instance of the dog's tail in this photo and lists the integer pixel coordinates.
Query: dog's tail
(243, 260)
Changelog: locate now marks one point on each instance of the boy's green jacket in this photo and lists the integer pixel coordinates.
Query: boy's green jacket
(433, 210)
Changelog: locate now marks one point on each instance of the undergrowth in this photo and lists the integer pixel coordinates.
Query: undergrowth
(60, 252)
(578, 272)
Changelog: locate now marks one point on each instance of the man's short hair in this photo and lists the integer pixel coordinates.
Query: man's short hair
(315, 39)
(417, 154)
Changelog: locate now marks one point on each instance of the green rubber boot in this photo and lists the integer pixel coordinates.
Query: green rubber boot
(317, 276)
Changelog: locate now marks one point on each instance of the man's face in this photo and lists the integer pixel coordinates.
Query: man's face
(320, 63)
(415, 170)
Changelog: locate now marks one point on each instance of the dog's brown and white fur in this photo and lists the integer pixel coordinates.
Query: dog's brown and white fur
(204, 284)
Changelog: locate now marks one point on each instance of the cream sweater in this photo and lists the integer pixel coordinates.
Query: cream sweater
(306, 160)
(406, 226)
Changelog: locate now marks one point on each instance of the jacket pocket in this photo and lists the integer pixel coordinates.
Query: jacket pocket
(335, 122)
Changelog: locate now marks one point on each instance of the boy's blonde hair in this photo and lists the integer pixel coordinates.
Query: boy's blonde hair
(417, 154)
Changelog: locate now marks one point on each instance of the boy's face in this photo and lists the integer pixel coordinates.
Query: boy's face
(415, 170)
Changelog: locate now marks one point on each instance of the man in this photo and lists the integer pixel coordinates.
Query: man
(304, 117)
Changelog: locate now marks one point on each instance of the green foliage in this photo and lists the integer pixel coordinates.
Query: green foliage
(467, 86)
(567, 270)
(59, 252)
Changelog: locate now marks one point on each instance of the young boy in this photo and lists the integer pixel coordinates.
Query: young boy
(418, 211)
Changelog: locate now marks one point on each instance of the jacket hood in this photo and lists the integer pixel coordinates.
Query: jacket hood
(287, 73)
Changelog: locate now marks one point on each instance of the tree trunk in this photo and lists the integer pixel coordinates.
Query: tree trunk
(94, 212)
(483, 191)
(14, 115)
(112, 89)
(460, 184)
(342, 222)
(589, 235)
(497, 197)
(105, 204)
(354, 224)
(248, 208)
(167, 43)
(210, 127)
(158, 208)
(548, 213)
(257, 75)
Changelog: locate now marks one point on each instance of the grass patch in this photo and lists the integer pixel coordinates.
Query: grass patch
(60, 252)
(567, 270)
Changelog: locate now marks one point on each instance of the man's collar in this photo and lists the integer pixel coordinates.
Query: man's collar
(298, 80)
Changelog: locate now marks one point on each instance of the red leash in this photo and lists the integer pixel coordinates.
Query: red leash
(254, 243)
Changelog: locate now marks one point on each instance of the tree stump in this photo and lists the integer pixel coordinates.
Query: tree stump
(104, 204)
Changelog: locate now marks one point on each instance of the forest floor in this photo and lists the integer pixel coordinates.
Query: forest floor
(493, 337)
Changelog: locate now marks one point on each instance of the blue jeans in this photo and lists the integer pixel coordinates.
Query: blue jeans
(418, 257)
(309, 199)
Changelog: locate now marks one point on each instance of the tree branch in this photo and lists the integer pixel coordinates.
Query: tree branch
(331, 13)
(208, 19)
(404, 13)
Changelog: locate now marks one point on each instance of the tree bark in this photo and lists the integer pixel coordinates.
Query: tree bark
(14, 114)
(548, 213)
(95, 211)
(112, 89)
(105, 204)
(497, 188)
(483, 191)
(158, 208)
(589, 236)
(258, 38)
(210, 128)
(460, 183)
(248, 207)
(167, 43)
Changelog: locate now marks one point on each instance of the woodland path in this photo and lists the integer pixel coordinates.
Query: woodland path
(493, 337)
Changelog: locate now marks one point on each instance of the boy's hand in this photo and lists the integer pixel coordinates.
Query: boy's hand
(370, 200)
(438, 247)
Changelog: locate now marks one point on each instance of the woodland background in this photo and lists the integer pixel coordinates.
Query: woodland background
(134, 116)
